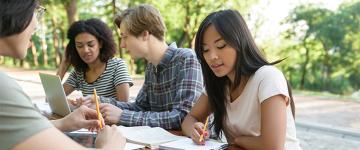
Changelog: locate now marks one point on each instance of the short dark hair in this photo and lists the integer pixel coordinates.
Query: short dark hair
(15, 16)
(233, 29)
(96, 28)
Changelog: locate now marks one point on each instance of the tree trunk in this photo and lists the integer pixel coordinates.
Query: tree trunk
(14, 61)
(62, 44)
(185, 35)
(71, 11)
(22, 63)
(35, 55)
(327, 67)
(44, 50)
(56, 41)
(304, 66)
(113, 4)
(44, 44)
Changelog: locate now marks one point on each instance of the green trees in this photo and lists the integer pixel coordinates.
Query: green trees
(322, 46)
(329, 47)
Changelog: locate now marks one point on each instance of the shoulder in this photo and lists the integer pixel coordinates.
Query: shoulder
(76, 74)
(9, 87)
(184, 55)
(116, 61)
(268, 71)
(5, 79)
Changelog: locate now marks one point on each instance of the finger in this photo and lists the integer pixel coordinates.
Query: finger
(195, 138)
(92, 123)
(72, 102)
(103, 108)
(199, 128)
(102, 105)
(207, 134)
(79, 101)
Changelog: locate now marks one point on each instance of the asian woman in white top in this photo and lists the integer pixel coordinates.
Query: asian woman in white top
(249, 97)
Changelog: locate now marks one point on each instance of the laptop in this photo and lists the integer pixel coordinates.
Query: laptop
(55, 94)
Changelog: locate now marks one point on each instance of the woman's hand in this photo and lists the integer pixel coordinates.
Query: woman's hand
(110, 138)
(197, 131)
(88, 101)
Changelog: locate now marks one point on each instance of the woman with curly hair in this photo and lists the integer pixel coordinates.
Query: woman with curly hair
(90, 51)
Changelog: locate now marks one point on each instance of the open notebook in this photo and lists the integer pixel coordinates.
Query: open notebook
(148, 136)
(87, 139)
(155, 137)
(188, 144)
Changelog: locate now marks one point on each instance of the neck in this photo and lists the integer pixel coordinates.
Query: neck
(10, 47)
(243, 82)
(157, 51)
(97, 65)
(231, 77)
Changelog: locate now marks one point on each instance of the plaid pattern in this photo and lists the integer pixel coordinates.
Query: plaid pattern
(169, 91)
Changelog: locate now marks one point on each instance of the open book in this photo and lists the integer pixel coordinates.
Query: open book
(188, 144)
(148, 136)
(87, 139)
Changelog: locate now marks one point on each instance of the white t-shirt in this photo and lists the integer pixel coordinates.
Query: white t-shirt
(244, 113)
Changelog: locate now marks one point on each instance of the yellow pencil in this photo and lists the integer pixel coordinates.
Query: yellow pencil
(97, 108)
(205, 127)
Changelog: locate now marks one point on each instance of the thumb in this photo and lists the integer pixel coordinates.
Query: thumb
(91, 124)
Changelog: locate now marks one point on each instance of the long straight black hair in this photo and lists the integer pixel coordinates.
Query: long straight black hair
(233, 29)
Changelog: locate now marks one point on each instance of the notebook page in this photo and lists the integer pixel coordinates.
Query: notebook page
(148, 136)
(188, 144)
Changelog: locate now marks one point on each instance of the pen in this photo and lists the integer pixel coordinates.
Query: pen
(205, 127)
(97, 108)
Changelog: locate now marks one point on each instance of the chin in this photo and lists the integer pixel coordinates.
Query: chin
(219, 74)
(20, 55)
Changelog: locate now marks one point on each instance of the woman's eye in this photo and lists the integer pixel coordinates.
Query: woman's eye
(205, 50)
(79, 46)
(221, 46)
(91, 45)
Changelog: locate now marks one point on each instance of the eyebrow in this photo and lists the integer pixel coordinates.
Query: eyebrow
(220, 38)
(85, 42)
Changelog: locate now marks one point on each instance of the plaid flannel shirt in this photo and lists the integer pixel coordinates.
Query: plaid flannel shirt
(170, 90)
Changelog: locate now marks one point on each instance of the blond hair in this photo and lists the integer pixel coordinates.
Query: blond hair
(142, 18)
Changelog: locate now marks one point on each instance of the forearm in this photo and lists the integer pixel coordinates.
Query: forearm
(64, 66)
(166, 119)
(59, 124)
(257, 143)
(187, 125)
(121, 105)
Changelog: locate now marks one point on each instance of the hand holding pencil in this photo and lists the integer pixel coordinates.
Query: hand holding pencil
(204, 130)
(200, 132)
(98, 109)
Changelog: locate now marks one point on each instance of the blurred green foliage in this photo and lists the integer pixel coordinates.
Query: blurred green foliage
(321, 46)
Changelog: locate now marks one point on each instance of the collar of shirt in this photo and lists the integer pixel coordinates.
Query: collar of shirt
(169, 53)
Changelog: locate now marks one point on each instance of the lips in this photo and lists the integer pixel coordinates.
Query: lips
(87, 57)
(216, 66)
